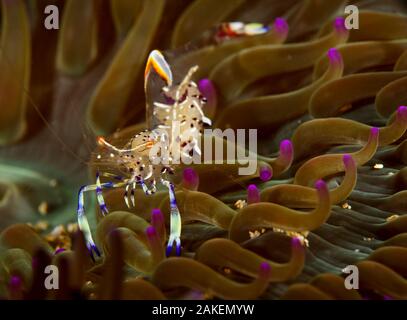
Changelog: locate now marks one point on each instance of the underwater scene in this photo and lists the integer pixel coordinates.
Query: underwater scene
(203, 150)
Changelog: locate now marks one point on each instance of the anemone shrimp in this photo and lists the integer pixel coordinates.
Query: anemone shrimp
(139, 165)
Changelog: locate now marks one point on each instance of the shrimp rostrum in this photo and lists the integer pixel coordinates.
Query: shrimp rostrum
(150, 156)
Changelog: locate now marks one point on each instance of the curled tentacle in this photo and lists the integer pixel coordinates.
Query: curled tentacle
(331, 164)
(333, 285)
(253, 194)
(307, 136)
(183, 272)
(284, 107)
(375, 276)
(304, 291)
(269, 215)
(393, 257)
(142, 244)
(190, 179)
(297, 196)
(199, 206)
(139, 289)
(224, 253)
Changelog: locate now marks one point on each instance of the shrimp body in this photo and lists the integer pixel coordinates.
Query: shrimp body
(229, 30)
(148, 157)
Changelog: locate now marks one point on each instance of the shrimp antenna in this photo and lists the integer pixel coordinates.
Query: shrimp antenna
(102, 142)
(184, 83)
(51, 129)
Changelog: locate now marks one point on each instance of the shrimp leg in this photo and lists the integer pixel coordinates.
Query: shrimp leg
(175, 222)
(99, 194)
(82, 220)
(146, 190)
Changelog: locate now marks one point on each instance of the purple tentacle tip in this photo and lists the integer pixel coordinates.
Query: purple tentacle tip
(281, 25)
(374, 132)
(59, 250)
(320, 185)
(252, 187)
(207, 88)
(387, 298)
(265, 269)
(402, 112)
(190, 176)
(286, 148)
(334, 55)
(156, 213)
(15, 282)
(157, 218)
(339, 24)
(347, 158)
(296, 242)
(205, 84)
(266, 173)
(150, 232)
(253, 194)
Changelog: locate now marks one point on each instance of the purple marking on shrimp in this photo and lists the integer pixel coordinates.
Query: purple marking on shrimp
(178, 250)
(169, 250)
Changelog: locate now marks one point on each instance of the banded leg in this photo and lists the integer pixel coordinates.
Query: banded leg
(131, 186)
(126, 196)
(99, 196)
(146, 190)
(111, 175)
(175, 221)
(82, 220)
